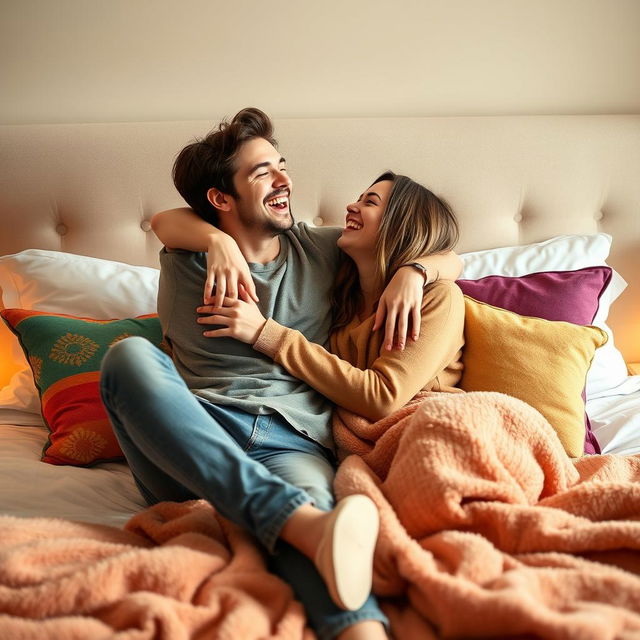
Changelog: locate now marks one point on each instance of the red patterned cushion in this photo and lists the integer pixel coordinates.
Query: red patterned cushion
(65, 353)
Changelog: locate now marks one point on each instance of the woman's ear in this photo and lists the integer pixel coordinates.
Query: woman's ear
(219, 200)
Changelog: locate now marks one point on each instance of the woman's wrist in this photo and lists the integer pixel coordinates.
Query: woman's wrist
(257, 334)
(269, 338)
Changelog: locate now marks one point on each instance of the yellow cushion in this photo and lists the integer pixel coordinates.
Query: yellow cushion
(541, 362)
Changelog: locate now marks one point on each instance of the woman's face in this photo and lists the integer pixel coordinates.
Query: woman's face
(363, 219)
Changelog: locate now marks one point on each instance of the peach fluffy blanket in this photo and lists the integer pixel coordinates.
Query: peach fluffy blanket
(176, 572)
(488, 529)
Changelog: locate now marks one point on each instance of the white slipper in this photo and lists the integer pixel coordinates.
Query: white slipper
(345, 553)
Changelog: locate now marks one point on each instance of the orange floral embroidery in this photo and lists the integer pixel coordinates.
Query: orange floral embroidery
(36, 367)
(73, 349)
(83, 445)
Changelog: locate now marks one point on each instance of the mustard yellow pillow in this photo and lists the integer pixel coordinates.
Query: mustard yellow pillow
(541, 362)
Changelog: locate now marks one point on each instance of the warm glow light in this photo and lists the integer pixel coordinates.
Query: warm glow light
(7, 364)
(7, 369)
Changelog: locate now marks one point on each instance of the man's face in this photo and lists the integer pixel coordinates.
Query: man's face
(263, 188)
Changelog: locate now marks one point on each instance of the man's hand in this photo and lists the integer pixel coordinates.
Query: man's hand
(240, 318)
(227, 271)
(400, 306)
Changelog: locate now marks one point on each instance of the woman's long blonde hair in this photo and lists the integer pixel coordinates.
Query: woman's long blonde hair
(414, 223)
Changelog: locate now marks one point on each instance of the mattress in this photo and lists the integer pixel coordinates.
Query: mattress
(105, 493)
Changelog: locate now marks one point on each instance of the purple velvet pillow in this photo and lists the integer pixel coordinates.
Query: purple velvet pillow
(570, 296)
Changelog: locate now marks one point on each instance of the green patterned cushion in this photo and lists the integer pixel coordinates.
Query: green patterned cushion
(65, 353)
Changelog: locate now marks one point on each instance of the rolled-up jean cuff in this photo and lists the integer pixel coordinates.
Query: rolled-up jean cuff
(269, 536)
(330, 629)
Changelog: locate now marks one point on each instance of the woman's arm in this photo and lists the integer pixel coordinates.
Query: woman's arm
(392, 379)
(183, 229)
(226, 267)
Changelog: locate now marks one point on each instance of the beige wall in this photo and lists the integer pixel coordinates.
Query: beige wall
(119, 60)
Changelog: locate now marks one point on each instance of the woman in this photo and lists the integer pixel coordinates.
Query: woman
(392, 224)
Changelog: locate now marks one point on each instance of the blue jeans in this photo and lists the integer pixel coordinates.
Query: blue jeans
(255, 470)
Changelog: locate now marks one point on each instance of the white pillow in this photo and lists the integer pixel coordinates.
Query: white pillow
(563, 253)
(21, 394)
(76, 285)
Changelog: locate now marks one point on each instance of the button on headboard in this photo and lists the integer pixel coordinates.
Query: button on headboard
(92, 188)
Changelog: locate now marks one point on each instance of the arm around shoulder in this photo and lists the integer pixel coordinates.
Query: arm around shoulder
(442, 266)
(423, 362)
(183, 229)
(227, 268)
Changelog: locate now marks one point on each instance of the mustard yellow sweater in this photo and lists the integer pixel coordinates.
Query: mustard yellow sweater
(359, 374)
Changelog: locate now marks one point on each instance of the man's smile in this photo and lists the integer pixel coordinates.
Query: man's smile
(278, 203)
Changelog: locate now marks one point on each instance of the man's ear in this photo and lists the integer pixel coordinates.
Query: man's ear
(221, 201)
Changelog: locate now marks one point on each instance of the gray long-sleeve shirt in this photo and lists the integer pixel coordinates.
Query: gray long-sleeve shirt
(293, 290)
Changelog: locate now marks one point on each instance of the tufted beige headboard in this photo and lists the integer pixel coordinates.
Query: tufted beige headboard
(91, 188)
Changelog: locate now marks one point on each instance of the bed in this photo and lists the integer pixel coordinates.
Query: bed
(549, 206)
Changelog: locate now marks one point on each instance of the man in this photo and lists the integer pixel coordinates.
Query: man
(226, 423)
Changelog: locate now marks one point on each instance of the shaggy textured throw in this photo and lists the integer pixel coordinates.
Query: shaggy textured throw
(488, 528)
(176, 572)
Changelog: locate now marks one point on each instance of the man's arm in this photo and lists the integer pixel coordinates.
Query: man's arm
(226, 267)
(442, 266)
(401, 300)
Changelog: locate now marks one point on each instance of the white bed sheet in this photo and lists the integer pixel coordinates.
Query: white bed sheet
(104, 493)
(615, 418)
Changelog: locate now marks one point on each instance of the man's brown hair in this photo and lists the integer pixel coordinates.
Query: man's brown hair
(210, 161)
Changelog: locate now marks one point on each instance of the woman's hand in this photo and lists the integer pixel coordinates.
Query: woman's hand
(240, 317)
(227, 271)
(399, 306)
